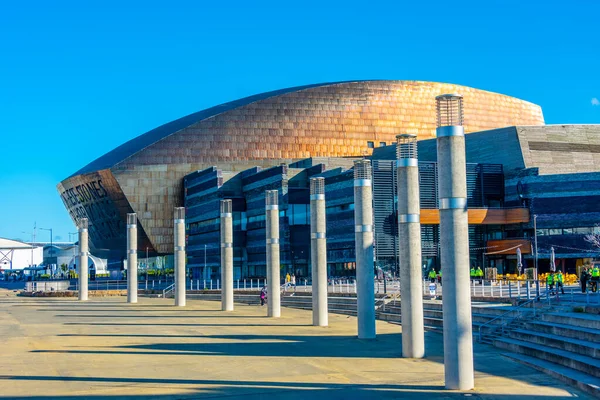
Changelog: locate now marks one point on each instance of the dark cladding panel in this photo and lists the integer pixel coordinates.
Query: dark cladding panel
(98, 197)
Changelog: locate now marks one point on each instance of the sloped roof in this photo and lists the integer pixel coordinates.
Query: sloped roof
(9, 244)
(138, 143)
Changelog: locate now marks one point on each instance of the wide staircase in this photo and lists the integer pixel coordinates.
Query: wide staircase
(565, 345)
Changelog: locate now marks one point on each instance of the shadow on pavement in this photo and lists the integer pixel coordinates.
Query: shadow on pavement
(197, 388)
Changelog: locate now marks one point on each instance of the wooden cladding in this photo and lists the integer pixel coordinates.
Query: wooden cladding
(495, 246)
(482, 216)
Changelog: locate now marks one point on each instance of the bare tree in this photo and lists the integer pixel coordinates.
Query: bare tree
(594, 238)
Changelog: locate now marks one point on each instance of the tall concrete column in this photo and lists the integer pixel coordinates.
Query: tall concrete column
(226, 256)
(273, 273)
(179, 252)
(409, 244)
(132, 259)
(318, 251)
(454, 243)
(84, 252)
(363, 220)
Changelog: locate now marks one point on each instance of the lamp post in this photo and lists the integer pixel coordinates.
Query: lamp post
(51, 245)
(32, 240)
(74, 260)
(535, 241)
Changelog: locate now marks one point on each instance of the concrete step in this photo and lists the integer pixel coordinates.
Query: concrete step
(585, 382)
(581, 320)
(565, 358)
(582, 347)
(567, 331)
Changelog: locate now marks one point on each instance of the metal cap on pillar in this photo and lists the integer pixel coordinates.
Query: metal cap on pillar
(449, 110)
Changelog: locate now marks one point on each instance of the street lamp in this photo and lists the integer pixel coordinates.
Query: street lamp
(74, 255)
(51, 245)
(31, 243)
(536, 246)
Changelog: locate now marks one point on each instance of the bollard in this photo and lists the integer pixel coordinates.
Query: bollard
(528, 290)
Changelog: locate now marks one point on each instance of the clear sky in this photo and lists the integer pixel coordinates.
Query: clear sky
(79, 78)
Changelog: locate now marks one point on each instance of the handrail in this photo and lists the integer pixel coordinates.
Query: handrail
(169, 288)
(501, 316)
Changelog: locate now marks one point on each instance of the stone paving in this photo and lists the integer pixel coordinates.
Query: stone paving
(107, 349)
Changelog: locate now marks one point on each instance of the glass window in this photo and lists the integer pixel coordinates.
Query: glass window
(381, 144)
(542, 232)
(554, 231)
(567, 231)
(370, 145)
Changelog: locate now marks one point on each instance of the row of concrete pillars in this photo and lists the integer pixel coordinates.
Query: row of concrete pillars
(454, 249)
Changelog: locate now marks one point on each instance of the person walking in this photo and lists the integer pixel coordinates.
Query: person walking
(263, 296)
(432, 275)
(473, 273)
(439, 277)
(479, 274)
(550, 282)
(583, 279)
(559, 282)
(595, 280)
(293, 282)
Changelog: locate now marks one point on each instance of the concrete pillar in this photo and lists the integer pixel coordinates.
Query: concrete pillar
(454, 244)
(363, 219)
(409, 244)
(84, 252)
(318, 251)
(226, 256)
(179, 252)
(132, 259)
(272, 233)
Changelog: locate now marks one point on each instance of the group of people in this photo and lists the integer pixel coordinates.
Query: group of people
(592, 275)
(476, 274)
(555, 278)
(289, 279)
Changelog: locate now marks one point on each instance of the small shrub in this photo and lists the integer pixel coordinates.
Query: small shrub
(578, 309)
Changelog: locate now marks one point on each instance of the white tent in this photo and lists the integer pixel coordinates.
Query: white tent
(100, 264)
(19, 255)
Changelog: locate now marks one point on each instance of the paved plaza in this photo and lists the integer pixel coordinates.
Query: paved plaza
(107, 349)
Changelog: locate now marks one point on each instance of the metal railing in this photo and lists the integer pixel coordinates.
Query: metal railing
(506, 320)
(46, 286)
(167, 290)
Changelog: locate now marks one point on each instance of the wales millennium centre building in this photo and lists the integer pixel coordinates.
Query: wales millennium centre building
(278, 140)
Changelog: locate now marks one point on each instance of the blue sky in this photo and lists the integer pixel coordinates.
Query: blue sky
(79, 78)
